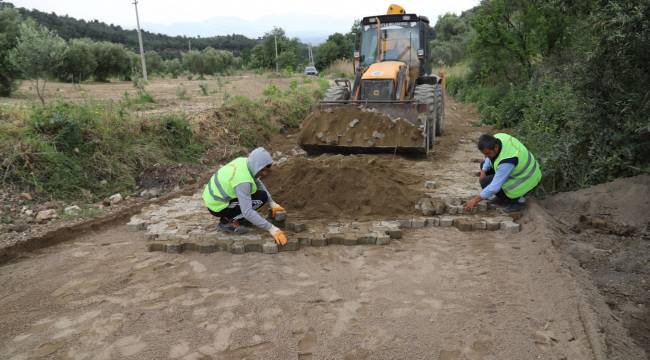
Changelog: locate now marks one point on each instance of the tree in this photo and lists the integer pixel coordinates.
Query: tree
(173, 67)
(37, 55)
(337, 46)
(193, 62)
(154, 62)
(453, 34)
(290, 54)
(79, 62)
(9, 30)
(113, 60)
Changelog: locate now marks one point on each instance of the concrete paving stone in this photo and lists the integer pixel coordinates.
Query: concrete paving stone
(334, 238)
(405, 223)
(207, 248)
(482, 206)
(464, 224)
(253, 243)
(382, 239)
(237, 248)
(304, 240)
(446, 221)
(492, 224)
(479, 225)
(510, 226)
(155, 247)
(433, 221)
(351, 239)
(293, 244)
(394, 233)
(368, 238)
(151, 236)
(295, 227)
(418, 223)
(189, 246)
(136, 224)
(270, 247)
(173, 248)
(318, 241)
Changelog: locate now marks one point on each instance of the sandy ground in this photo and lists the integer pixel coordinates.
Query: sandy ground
(436, 294)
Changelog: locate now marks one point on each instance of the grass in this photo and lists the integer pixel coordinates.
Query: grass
(340, 69)
(63, 150)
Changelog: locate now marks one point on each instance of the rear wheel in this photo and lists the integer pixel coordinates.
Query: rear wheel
(425, 94)
(337, 93)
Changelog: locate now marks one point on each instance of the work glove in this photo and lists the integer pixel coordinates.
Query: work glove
(275, 209)
(278, 235)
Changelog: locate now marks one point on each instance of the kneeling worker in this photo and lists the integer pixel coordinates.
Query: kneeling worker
(508, 172)
(235, 192)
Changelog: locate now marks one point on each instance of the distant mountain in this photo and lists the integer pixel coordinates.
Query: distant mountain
(312, 29)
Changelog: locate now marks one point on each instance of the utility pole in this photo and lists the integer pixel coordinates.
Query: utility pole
(144, 63)
(277, 66)
(189, 44)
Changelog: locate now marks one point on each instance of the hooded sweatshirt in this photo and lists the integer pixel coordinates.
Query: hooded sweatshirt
(258, 159)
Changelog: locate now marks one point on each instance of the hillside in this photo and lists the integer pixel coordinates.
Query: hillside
(167, 46)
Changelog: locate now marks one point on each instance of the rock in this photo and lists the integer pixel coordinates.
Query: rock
(115, 199)
(430, 184)
(26, 196)
(29, 212)
(426, 206)
(463, 224)
(46, 215)
(18, 227)
(418, 223)
(151, 193)
(282, 160)
(446, 221)
(354, 123)
(378, 135)
(72, 210)
(103, 183)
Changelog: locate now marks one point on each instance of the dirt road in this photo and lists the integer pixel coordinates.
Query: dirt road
(435, 294)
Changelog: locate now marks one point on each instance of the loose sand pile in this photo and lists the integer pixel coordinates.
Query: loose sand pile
(343, 186)
(354, 127)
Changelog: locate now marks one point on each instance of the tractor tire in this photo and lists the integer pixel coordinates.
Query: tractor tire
(440, 110)
(425, 94)
(337, 93)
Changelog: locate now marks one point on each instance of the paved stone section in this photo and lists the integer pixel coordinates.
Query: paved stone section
(183, 225)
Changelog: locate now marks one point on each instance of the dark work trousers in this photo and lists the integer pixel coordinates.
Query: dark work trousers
(489, 175)
(233, 211)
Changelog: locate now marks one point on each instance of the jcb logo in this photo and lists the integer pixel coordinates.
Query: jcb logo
(375, 92)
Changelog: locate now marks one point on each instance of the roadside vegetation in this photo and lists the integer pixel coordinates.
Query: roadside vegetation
(570, 79)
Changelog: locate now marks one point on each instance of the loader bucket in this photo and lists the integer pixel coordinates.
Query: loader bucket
(366, 127)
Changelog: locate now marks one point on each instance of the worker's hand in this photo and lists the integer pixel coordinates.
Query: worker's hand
(278, 235)
(471, 203)
(275, 208)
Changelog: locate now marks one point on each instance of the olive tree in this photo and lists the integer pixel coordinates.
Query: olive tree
(37, 55)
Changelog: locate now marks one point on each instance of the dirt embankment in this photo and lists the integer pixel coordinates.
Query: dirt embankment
(344, 186)
(607, 230)
(356, 127)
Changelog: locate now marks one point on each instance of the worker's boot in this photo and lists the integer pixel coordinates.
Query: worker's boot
(514, 207)
(232, 227)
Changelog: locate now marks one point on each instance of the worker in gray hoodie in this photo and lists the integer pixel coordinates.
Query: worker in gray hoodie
(236, 191)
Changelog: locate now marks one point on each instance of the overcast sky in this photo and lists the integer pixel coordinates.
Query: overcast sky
(166, 12)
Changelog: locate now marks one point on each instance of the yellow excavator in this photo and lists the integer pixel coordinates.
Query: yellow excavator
(394, 103)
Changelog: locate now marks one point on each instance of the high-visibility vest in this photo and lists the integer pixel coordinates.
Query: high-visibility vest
(221, 188)
(526, 175)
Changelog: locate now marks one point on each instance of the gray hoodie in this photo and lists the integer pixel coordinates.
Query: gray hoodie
(258, 159)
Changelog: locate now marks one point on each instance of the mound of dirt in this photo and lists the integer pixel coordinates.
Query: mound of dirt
(340, 186)
(624, 200)
(608, 233)
(357, 127)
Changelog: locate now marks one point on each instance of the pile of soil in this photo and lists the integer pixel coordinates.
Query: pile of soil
(608, 233)
(359, 127)
(350, 187)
